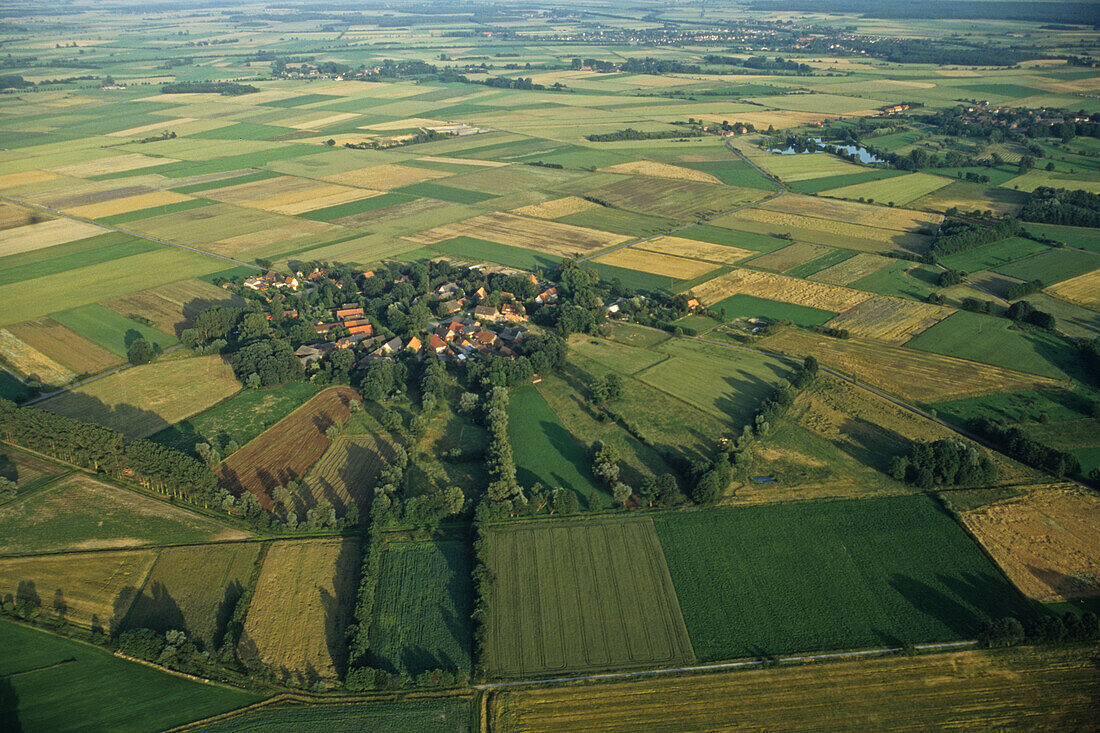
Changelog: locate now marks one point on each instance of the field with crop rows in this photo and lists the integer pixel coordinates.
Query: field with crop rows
(686, 200)
(788, 257)
(679, 268)
(781, 288)
(694, 249)
(748, 306)
(64, 346)
(346, 473)
(429, 715)
(516, 231)
(898, 190)
(1083, 290)
(851, 269)
(892, 320)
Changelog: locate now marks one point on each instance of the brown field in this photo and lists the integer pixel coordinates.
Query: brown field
(286, 450)
(660, 170)
(675, 198)
(822, 231)
(66, 347)
(893, 320)
(114, 164)
(46, 234)
(288, 194)
(12, 217)
(656, 263)
(853, 212)
(781, 288)
(1026, 688)
(384, 177)
(280, 234)
(463, 161)
(790, 256)
(1047, 541)
(300, 608)
(405, 210)
(25, 178)
(172, 307)
(919, 376)
(851, 269)
(142, 129)
(127, 204)
(142, 400)
(694, 249)
(517, 231)
(92, 590)
(345, 474)
(556, 208)
(1082, 290)
(30, 362)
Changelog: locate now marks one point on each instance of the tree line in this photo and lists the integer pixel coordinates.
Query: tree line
(225, 88)
(1016, 444)
(1062, 206)
(630, 133)
(960, 235)
(944, 462)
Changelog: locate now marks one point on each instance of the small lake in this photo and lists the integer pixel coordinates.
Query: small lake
(863, 155)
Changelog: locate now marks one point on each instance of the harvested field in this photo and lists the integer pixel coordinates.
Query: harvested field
(127, 204)
(824, 231)
(660, 170)
(790, 256)
(283, 234)
(25, 178)
(1083, 290)
(142, 129)
(300, 609)
(92, 590)
(892, 320)
(694, 249)
(113, 164)
(31, 363)
(1025, 688)
(781, 288)
(385, 177)
(288, 194)
(141, 400)
(286, 450)
(537, 234)
(64, 346)
(571, 596)
(852, 269)
(171, 307)
(675, 198)
(922, 377)
(898, 190)
(46, 234)
(851, 212)
(345, 474)
(556, 208)
(679, 268)
(195, 589)
(1047, 542)
(13, 217)
(803, 167)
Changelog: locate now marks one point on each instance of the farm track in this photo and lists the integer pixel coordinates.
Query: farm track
(88, 380)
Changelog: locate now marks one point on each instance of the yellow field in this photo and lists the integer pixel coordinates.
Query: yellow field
(31, 363)
(142, 129)
(114, 164)
(283, 233)
(462, 161)
(660, 170)
(1047, 542)
(1026, 688)
(1082, 290)
(914, 375)
(25, 178)
(556, 208)
(46, 234)
(790, 256)
(314, 123)
(852, 212)
(781, 288)
(900, 189)
(385, 177)
(288, 195)
(804, 167)
(852, 269)
(142, 400)
(893, 320)
(518, 231)
(656, 263)
(92, 590)
(64, 346)
(823, 231)
(127, 204)
(694, 249)
(295, 623)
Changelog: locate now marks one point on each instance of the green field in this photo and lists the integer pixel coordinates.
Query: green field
(733, 238)
(1015, 407)
(818, 264)
(620, 221)
(64, 257)
(734, 173)
(816, 185)
(901, 278)
(545, 452)
(1052, 266)
(445, 193)
(579, 596)
(479, 249)
(815, 576)
(51, 684)
(109, 329)
(352, 208)
(749, 306)
(992, 255)
(240, 418)
(422, 607)
(1079, 237)
(441, 715)
(634, 279)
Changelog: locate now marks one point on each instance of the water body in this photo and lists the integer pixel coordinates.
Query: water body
(862, 154)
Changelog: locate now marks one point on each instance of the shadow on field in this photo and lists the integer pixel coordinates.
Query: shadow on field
(735, 406)
(123, 417)
(9, 708)
(9, 469)
(973, 598)
(155, 609)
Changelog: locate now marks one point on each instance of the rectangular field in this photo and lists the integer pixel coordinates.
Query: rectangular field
(1083, 290)
(748, 306)
(517, 231)
(851, 269)
(992, 255)
(30, 363)
(685, 200)
(830, 232)
(1052, 266)
(892, 320)
(694, 249)
(65, 346)
(573, 597)
(886, 571)
(851, 212)
(898, 190)
(790, 256)
(300, 609)
(679, 268)
(46, 234)
(346, 474)
(779, 287)
(109, 329)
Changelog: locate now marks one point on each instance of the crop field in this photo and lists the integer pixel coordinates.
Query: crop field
(892, 320)
(1033, 179)
(678, 199)
(194, 589)
(110, 330)
(55, 684)
(90, 590)
(126, 204)
(809, 166)
(887, 571)
(788, 257)
(32, 363)
(817, 264)
(1080, 237)
(25, 469)
(898, 190)
(778, 287)
(385, 177)
(1052, 266)
(346, 474)
(422, 607)
(517, 231)
(694, 249)
(300, 608)
(142, 400)
(921, 376)
(661, 170)
(1046, 542)
(1082, 290)
(288, 195)
(33, 237)
(572, 597)
(171, 307)
(286, 450)
(428, 715)
(854, 268)
(992, 255)
(679, 268)
(79, 513)
(1026, 406)
(748, 306)
(621, 221)
(969, 690)
(824, 231)
(64, 346)
(556, 208)
(879, 217)
(240, 418)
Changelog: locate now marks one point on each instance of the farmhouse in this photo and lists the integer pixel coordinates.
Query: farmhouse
(485, 311)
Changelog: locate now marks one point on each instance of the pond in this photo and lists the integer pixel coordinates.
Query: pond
(863, 155)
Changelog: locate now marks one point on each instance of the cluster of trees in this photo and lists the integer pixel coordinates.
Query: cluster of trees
(1061, 206)
(1018, 445)
(974, 305)
(1047, 629)
(14, 81)
(945, 462)
(503, 488)
(837, 333)
(141, 352)
(605, 466)
(960, 235)
(1024, 312)
(225, 88)
(1019, 290)
(1089, 350)
(607, 388)
(631, 134)
(536, 353)
(8, 489)
(760, 63)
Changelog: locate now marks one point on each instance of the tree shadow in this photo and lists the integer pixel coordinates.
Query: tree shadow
(224, 614)
(154, 608)
(131, 335)
(130, 420)
(9, 708)
(9, 469)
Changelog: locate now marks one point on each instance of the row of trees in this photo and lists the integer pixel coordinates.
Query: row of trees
(944, 462)
(960, 235)
(1061, 206)
(1024, 449)
(1047, 629)
(632, 134)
